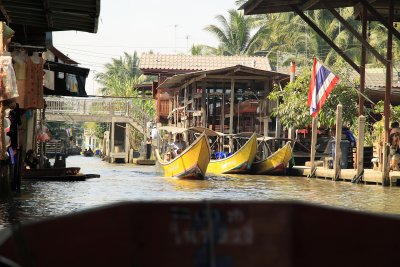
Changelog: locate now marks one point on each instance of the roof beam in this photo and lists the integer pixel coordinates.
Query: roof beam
(380, 18)
(4, 11)
(355, 33)
(309, 4)
(297, 10)
(49, 17)
(252, 6)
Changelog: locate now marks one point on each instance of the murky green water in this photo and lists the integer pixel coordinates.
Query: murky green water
(121, 182)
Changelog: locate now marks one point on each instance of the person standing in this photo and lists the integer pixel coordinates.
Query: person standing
(394, 146)
(148, 148)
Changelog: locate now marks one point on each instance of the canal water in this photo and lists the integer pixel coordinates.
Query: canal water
(127, 182)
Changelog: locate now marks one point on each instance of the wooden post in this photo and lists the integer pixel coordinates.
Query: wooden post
(144, 119)
(214, 109)
(361, 99)
(314, 132)
(277, 124)
(169, 110)
(42, 152)
(203, 104)
(185, 103)
(174, 112)
(291, 131)
(112, 133)
(338, 137)
(231, 111)
(389, 65)
(223, 109)
(360, 146)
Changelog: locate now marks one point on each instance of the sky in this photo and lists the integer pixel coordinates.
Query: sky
(161, 26)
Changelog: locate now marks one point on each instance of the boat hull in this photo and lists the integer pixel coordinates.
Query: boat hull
(239, 162)
(276, 163)
(191, 163)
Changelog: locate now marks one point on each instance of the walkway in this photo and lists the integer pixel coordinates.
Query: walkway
(96, 109)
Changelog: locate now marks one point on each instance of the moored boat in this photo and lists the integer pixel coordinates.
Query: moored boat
(239, 162)
(88, 153)
(276, 163)
(56, 174)
(191, 163)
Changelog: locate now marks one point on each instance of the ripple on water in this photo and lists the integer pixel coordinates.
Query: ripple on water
(128, 182)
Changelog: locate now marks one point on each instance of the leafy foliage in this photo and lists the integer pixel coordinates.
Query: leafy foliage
(292, 109)
(294, 113)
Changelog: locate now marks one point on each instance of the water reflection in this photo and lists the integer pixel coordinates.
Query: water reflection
(121, 182)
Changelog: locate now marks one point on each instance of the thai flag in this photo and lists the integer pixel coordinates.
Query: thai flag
(322, 83)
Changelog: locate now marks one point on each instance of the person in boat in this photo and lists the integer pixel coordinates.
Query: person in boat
(167, 156)
(31, 161)
(178, 146)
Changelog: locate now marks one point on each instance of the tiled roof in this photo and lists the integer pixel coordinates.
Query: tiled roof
(199, 63)
(374, 78)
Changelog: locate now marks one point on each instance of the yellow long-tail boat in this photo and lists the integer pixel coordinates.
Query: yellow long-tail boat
(276, 163)
(191, 163)
(238, 162)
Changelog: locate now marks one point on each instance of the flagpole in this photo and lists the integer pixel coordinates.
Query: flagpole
(314, 133)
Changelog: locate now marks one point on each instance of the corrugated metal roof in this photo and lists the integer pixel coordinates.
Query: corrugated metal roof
(252, 7)
(52, 15)
(185, 63)
(278, 6)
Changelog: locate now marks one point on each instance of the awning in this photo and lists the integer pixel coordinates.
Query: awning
(60, 83)
(32, 19)
(60, 67)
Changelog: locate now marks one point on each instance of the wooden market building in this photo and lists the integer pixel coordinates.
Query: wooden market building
(33, 23)
(228, 100)
(234, 95)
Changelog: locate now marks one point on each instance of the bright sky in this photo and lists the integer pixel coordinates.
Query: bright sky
(166, 27)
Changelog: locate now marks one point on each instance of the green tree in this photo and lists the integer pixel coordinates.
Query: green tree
(293, 111)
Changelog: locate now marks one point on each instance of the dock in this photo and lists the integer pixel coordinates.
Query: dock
(370, 176)
(144, 161)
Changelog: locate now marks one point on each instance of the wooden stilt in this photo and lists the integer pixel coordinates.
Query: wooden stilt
(338, 137)
(203, 104)
(389, 65)
(231, 111)
(360, 148)
(314, 132)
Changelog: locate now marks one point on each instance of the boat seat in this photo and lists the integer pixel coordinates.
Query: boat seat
(220, 155)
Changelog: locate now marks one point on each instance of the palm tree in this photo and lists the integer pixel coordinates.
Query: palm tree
(235, 34)
(121, 77)
(288, 33)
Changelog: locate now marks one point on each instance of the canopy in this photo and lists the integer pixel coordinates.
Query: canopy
(208, 132)
(172, 129)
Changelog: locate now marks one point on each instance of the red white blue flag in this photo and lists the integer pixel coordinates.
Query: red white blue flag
(322, 83)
